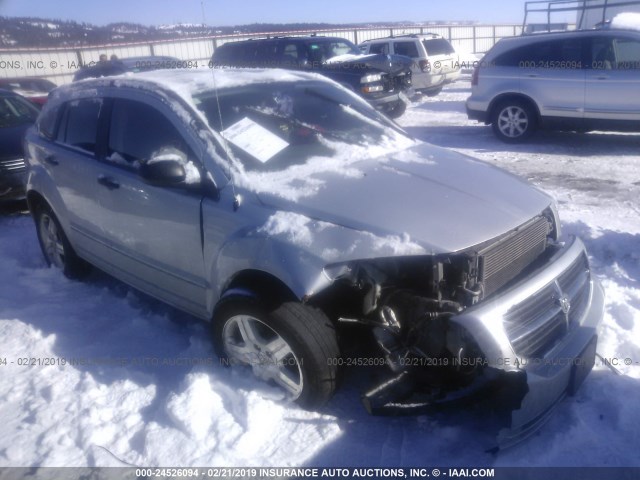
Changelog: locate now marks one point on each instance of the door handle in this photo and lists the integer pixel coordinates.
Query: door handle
(603, 77)
(108, 182)
(533, 75)
(51, 160)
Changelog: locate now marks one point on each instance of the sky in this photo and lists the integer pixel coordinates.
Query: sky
(225, 12)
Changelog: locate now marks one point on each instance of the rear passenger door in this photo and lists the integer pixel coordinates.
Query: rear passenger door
(613, 81)
(72, 162)
(550, 72)
(553, 74)
(152, 233)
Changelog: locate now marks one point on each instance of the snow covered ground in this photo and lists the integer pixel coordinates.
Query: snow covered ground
(140, 385)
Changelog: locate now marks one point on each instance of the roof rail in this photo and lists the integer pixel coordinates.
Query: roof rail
(579, 6)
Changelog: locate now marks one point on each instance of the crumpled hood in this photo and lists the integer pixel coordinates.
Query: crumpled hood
(435, 198)
(392, 64)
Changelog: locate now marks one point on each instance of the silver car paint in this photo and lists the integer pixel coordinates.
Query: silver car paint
(185, 247)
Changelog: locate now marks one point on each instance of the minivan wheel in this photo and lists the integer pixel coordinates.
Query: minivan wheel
(55, 246)
(513, 121)
(293, 346)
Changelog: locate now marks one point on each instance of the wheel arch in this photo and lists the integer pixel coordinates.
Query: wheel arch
(513, 96)
(35, 200)
(258, 284)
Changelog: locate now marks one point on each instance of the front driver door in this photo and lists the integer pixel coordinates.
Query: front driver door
(153, 233)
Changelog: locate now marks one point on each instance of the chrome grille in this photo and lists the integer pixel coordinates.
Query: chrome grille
(13, 165)
(503, 260)
(537, 324)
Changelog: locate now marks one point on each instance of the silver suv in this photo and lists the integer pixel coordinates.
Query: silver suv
(435, 61)
(282, 207)
(580, 80)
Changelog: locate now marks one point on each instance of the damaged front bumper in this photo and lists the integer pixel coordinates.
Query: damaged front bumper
(538, 338)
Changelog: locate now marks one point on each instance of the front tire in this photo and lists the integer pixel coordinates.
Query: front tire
(293, 346)
(514, 121)
(55, 246)
(397, 110)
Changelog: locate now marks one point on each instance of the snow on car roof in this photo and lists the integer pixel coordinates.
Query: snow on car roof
(189, 82)
(626, 20)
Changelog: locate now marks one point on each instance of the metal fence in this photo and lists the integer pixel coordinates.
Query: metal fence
(59, 64)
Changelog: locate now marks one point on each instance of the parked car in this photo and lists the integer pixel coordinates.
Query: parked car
(435, 61)
(33, 88)
(280, 207)
(576, 80)
(109, 68)
(380, 79)
(16, 115)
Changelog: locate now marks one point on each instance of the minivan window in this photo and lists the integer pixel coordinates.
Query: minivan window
(138, 131)
(79, 124)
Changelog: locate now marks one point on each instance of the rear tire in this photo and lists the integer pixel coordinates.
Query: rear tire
(55, 246)
(293, 346)
(514, 121)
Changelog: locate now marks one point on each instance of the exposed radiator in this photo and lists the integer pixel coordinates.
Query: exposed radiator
(503, 260)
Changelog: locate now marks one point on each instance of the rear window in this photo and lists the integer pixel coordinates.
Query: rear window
(79, 124)
(438, 46)
(47, 122)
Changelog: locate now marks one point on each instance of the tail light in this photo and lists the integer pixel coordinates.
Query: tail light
(425, 66)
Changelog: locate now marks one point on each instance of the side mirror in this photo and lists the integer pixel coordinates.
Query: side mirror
(163, 173)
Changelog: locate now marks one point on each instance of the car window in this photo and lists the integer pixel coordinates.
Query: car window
(138, 132)
(322, 51)
(289, 54)
(47, 122)
(382, 48)
(627, 54)
(602, 53)
(406, 48)
(79, 124)
(15, 111)
(565, 54)
(438, 46)
(295, 121)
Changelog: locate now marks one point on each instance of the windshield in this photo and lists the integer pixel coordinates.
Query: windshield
(270, 127)
(15, 111)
